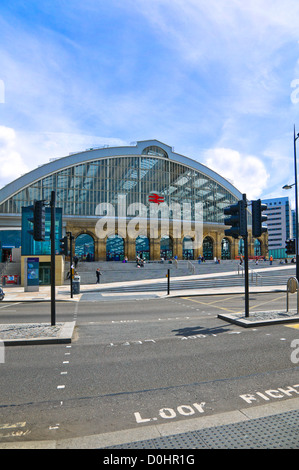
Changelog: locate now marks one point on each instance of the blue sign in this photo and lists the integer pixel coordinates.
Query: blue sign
(32, 271)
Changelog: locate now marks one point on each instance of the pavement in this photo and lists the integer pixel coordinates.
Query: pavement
(262, 427)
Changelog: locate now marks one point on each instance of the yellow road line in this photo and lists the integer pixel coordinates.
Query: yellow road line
(205, 303)
(296, 325)
(231, 309)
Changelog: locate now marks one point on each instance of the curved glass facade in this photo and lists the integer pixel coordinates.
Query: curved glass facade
(80, 188)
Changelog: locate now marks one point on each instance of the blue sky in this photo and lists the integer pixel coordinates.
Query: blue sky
(217, 80)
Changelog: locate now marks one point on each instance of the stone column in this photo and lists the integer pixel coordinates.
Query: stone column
(154, 248)
(130, 248)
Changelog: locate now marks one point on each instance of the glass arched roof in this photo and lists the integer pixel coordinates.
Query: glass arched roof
(84, 180)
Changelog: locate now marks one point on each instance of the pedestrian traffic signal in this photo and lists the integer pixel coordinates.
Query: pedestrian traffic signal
(258, 218)
(63, 246)
(38, 221)
(237, 219)
(290, 247)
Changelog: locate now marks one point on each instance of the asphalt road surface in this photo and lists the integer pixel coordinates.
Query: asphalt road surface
(139, 362)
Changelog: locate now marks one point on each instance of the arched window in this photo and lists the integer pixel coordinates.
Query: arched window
(257, 248)
(153, 150)
(241, 247)
(225, 249)
(142, 247)
(188, 250)
(166, 247)
(207, 247)
(115, 248)
(84, 247)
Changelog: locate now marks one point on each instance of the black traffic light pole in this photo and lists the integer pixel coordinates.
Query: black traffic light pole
(53, 307)
(71, 261)
(245, 238)
(238, 222)
(296, 203)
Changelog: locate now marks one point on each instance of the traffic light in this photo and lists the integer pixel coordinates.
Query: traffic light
(63, 246)
(258, 218)
(237, 220)
(290, 246)
(38, 221)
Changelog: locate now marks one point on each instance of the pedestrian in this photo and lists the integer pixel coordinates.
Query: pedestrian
(76, 259)
(98, 274)
(271, 260)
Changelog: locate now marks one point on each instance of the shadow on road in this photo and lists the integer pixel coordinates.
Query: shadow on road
(199, 330)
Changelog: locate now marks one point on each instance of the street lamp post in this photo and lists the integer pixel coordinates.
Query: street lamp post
(287, 186)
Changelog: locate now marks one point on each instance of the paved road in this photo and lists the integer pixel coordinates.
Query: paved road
(139, 363)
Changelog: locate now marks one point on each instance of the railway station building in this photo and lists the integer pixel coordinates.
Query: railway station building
(122, 201)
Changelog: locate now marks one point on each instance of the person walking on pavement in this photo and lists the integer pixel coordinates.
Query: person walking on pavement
(98, 273)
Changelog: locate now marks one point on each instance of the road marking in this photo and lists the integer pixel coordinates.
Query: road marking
(13, 429)
(267, 302)
(56, 426)
(170, 413)
(272, 393)
(9, 304)
(230, 309)
(296, 325)
(14, 425)
(133, 342)
(206, 303)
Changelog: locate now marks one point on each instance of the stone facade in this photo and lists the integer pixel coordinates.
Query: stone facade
(215, 232)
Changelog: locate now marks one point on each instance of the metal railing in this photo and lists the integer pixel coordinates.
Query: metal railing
(191, 267)
(251, 274)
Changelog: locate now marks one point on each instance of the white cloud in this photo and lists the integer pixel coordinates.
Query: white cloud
(247, 172)
(11, 162)
(37, 148)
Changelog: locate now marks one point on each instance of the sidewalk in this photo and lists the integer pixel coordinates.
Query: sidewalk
(273, 426)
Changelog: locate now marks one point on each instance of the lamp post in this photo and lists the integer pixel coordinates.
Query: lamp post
(289, 186)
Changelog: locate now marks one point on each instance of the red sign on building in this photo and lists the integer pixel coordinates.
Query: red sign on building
(155, 198)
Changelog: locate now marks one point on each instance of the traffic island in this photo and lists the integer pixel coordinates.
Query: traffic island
(260, 318)
(36, 333)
